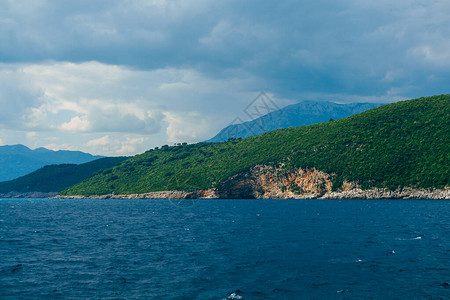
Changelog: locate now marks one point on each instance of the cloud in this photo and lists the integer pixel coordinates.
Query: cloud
(187, 127)
(16, 97)
(180, 70)
(89, 99)
(114, 146)
(296, 47)
(76, 124)
(32, 135)
(435, 56)
(103, 141)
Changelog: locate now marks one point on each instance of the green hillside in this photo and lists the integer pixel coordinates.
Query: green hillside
(395, 145)
(55, 178)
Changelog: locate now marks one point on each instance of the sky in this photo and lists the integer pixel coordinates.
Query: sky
(118, 77)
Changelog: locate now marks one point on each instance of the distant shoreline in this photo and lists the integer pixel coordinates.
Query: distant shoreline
(12, 195)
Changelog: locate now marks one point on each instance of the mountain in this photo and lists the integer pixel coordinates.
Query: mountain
(55, 178)
(392, 148)
(19, 160)
(303, 113)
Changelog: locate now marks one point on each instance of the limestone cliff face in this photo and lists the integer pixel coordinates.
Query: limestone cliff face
(269, 182)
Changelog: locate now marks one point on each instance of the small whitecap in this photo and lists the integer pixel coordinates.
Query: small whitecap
(234, 296)
(417, 238)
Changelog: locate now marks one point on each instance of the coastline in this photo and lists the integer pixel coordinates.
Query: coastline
(12, 195)
(355, 193)
(375, 193)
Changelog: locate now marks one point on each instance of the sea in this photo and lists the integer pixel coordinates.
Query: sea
(224, 249)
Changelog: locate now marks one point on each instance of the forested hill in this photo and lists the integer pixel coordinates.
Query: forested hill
(54, 178)
(403, 144)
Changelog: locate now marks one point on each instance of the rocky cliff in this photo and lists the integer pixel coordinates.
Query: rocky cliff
(278, 182)
(268, 182)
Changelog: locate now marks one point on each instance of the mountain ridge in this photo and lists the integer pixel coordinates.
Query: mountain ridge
(306, 112)
(19, 160)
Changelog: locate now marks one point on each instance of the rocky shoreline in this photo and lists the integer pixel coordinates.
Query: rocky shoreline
(29, 195)
(271, 182)
(152, 195)
(406, 193)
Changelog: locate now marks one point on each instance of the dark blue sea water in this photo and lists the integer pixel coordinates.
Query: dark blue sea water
(219, 249)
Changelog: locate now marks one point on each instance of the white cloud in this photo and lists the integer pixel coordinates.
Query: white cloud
(103, 141)
(77, 124)
(17, 96)
(130, 145)
(187, 127)
(107, 145)
(79, 102)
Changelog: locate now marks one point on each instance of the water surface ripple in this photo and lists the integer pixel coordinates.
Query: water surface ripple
(219, 249)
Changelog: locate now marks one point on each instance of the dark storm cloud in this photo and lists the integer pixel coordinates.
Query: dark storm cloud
(335, 47)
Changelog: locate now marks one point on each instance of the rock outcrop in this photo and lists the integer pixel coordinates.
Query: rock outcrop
(278, 182)
(269, 182)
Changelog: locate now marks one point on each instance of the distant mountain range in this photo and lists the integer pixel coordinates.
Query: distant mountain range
(303, 113)
(19, 160)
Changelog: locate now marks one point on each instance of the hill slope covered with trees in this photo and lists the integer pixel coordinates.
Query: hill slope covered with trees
(403, 144)
(55, 178)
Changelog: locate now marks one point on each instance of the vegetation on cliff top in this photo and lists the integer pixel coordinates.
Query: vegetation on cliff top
(403, 144)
